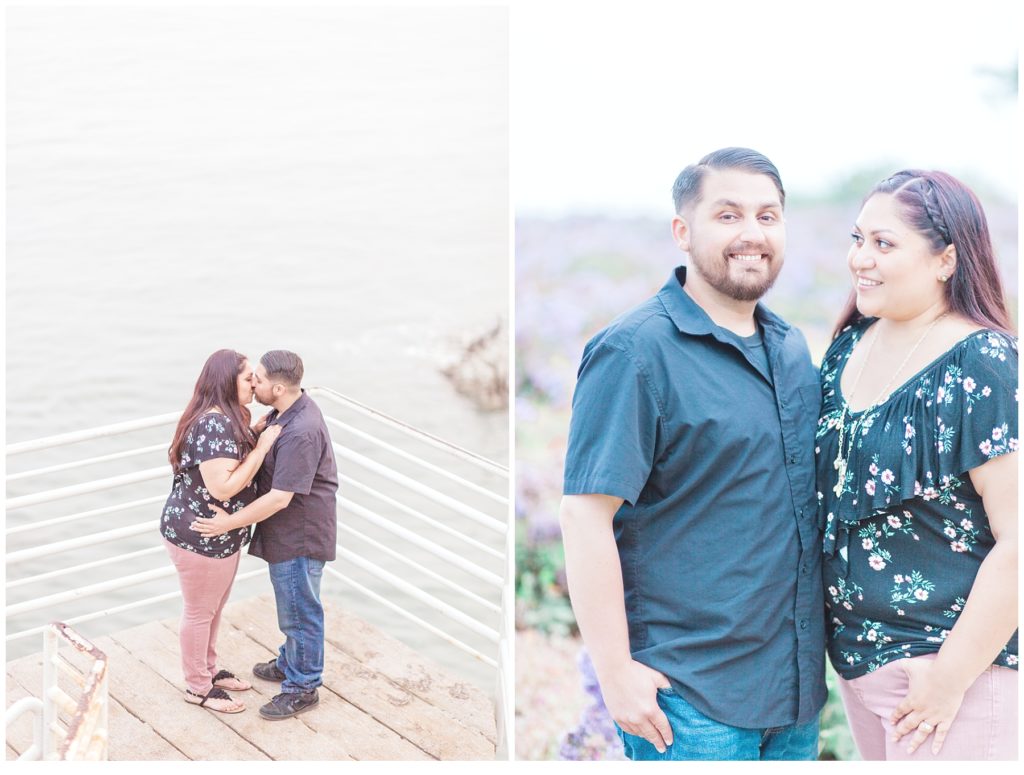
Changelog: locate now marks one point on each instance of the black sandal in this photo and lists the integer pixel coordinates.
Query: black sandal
(225, 675)
(213, 694)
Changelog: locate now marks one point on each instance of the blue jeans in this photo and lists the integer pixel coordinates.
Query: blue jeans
(697, 737)
(301, 618)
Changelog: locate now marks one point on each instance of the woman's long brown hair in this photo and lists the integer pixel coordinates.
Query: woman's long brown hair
(946, 212)
(217, 386)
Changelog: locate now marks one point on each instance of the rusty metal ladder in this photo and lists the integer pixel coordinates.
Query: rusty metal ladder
(83, 736)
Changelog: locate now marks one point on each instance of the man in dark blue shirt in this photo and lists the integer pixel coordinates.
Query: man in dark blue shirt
(692, 549)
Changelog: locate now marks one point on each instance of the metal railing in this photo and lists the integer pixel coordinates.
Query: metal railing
(401, 510)
(83, 736)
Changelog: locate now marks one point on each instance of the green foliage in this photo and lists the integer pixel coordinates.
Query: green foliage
(542, 600)
(834, 738)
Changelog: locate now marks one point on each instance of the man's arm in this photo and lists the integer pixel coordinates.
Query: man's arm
(594, 575)
(260, 509)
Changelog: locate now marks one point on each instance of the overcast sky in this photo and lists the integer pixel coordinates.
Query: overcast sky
(608, 104)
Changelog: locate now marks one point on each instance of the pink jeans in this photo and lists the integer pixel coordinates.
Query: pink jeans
(205, 586)
(985, 728)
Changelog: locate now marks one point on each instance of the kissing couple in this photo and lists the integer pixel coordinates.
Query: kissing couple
(278, 474)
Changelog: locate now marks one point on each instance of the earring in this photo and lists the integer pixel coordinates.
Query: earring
(943, 278)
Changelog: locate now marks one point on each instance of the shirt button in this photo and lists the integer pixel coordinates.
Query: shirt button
(803, 624)
(792, 458)
(803, 569)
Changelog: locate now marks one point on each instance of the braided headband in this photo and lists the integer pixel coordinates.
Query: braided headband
(931, 206)
(929, 198)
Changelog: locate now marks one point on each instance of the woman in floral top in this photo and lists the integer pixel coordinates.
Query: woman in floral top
(917, 479)
(215, 456)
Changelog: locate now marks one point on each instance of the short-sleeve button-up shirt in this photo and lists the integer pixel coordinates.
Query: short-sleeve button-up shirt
(717, 537)
(300, 462)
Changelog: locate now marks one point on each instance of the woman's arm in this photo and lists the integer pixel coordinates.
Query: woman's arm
(985, 625)
(260, 509)
(226, 477)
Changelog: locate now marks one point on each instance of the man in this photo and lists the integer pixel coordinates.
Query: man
(692, 551)
(297, 485)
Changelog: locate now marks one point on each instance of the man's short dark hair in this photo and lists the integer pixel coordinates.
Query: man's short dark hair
(283, 366)
(687, 188)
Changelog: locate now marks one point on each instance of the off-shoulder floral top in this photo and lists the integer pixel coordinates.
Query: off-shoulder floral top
(209, 437)
(905, 536)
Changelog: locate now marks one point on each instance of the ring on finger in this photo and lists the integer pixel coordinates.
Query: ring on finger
(925, 727)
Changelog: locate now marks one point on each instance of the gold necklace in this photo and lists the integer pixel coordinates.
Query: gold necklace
(841, 462)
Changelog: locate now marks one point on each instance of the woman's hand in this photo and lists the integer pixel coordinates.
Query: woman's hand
(220, 523)
(931, 705)
(260, 424)
(225, 477)
(267, 438)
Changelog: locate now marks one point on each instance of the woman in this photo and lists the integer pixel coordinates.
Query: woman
(917, 476)
(215, 456)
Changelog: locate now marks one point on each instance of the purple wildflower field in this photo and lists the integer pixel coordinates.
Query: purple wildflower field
(573, 276)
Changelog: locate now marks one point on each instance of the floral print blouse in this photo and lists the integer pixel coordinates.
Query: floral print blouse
(905, 537)
(209, 437)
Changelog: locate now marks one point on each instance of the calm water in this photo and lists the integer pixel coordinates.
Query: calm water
(331, 181)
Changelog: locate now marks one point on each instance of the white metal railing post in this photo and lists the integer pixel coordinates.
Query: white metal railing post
(49, 684)
(63, 439)
(34, 706)
(504, 710)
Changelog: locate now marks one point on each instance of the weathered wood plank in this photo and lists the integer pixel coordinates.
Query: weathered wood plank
(380, 700)
(425, 726)
(146, 695)
(467, 704)
(130, 737)
(359, 734)
(289, 739)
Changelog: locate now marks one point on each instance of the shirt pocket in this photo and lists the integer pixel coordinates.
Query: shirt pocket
(810, 397)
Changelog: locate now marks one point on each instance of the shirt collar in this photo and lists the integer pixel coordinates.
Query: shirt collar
(291, 412)
(690, 318)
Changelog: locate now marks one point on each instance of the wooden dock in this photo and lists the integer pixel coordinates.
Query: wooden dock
(380, 700)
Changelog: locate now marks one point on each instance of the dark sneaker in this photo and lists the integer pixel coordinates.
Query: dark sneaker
(268, 671)
(288, 705)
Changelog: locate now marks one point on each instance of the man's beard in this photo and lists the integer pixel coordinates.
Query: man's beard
(720, 272)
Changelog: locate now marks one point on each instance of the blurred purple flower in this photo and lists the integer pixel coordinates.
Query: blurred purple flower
(526, 411)
(538, 491)
(596, 737)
